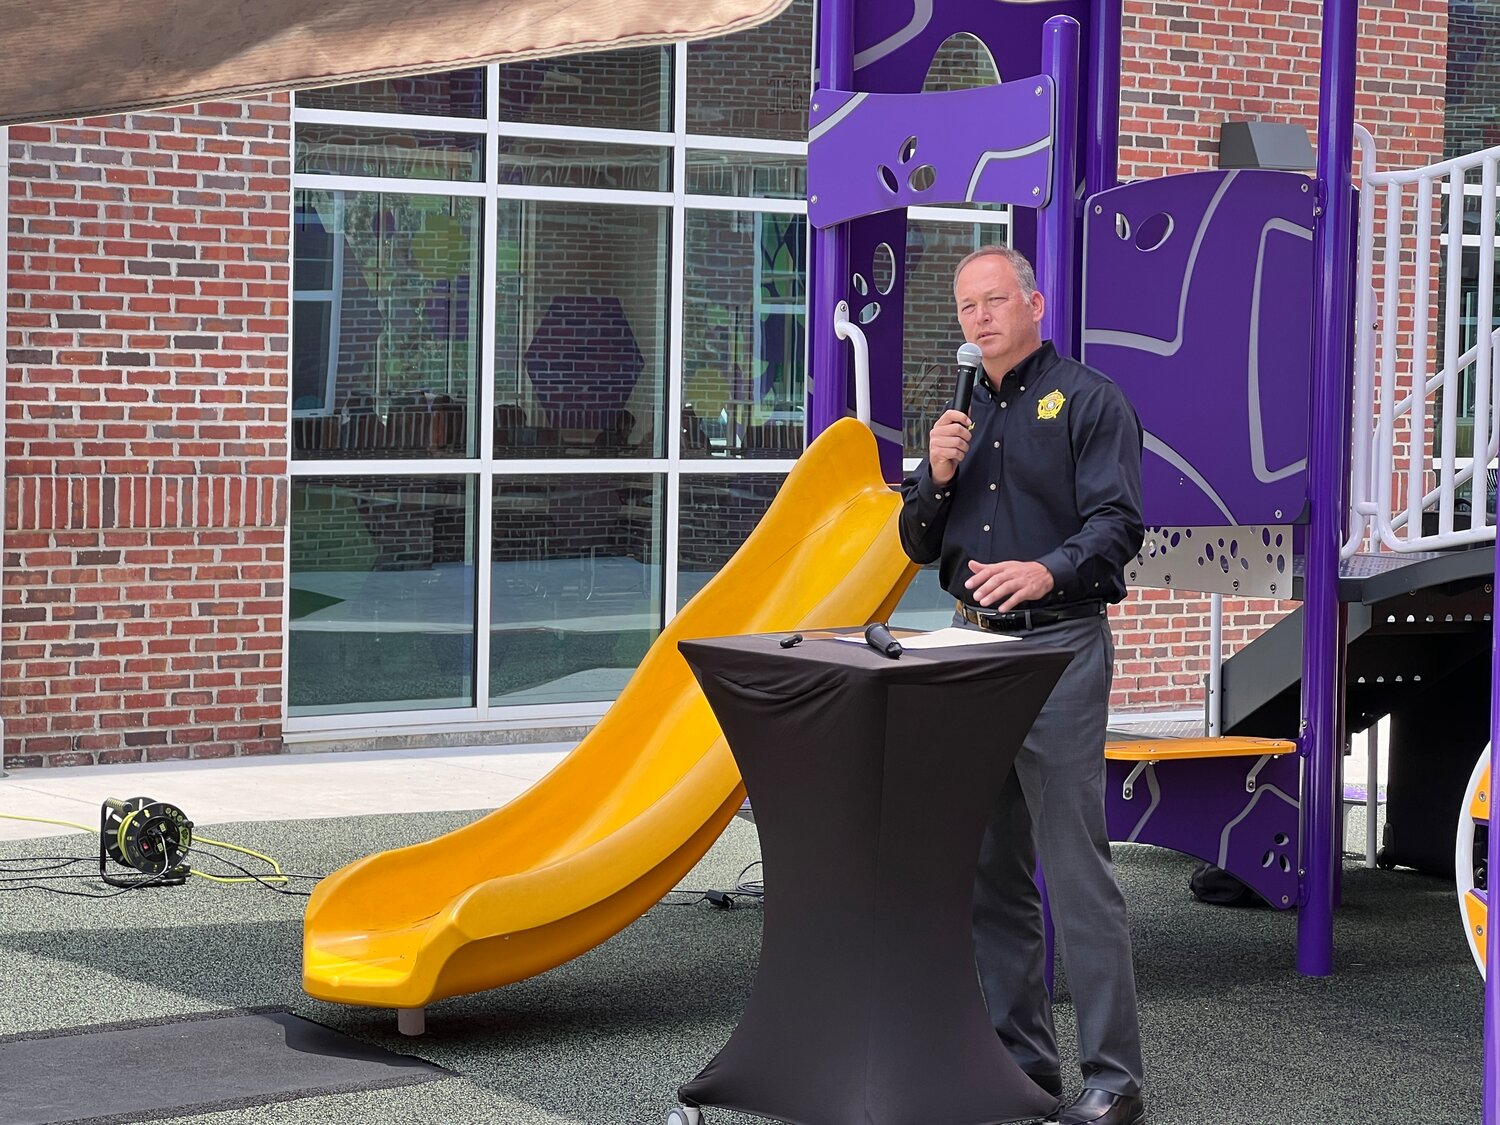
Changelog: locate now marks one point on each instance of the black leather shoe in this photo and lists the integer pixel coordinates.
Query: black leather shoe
(1101, 1107)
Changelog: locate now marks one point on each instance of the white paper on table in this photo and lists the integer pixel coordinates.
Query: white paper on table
(951, 637)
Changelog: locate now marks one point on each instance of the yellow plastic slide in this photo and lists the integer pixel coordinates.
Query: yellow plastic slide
(600, 839)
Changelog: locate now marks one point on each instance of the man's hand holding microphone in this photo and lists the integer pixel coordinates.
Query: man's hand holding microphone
(948, 440)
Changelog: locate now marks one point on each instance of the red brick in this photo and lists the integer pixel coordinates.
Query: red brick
(105, 512)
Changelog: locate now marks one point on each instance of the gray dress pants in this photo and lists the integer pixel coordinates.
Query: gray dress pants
(1053, 804)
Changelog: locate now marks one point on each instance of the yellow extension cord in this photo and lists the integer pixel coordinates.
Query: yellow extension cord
(276, 867)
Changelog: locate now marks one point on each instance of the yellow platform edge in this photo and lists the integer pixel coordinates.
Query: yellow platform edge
(1177, 749)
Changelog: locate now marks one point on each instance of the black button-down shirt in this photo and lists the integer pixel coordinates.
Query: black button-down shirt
(1052, 475)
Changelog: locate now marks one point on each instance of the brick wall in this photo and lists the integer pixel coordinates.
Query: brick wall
(1186, 68)
(145, 452)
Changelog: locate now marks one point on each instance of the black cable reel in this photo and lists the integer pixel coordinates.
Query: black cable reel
(145, 836)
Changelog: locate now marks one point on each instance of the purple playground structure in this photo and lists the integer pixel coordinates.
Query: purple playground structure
(1238, 310)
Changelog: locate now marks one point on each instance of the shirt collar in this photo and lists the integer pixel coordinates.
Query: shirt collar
(1029, 368)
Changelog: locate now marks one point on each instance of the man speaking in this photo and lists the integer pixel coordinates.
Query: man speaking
(1030, 501)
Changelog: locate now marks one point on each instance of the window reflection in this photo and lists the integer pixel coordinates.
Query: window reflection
(576, 584)
(629, 89)
(407, 154)
(749, 174)
(580, 330)
(453, 93)
(542, 163)
(755, 83)
(385, 326)
(718, 514)
(744, 334)
(382, 594)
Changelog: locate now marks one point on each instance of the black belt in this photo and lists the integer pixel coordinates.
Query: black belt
(1020, 620)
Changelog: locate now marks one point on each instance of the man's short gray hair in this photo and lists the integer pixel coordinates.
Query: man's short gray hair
(1025, 275)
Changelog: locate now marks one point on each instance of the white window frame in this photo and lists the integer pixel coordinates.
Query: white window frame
(484, 468)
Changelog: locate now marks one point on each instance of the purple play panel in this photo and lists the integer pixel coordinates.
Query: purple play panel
(894, 43)
(1198, 302)
(892, 49)
(872, 152)
(1213, 809)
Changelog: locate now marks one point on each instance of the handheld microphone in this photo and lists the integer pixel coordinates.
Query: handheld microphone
(878, 637)
(970, 359)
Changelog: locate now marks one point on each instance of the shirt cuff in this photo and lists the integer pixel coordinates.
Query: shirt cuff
(931, 497)
(1066, 585)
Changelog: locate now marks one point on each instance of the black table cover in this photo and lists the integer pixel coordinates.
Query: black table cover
(871, 780)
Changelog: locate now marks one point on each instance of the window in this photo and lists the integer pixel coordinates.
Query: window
(549, 362)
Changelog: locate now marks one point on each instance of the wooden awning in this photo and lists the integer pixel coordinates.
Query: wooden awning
(89, 57)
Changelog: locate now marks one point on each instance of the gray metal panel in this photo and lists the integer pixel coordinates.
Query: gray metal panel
(1265, 144)
(1252, 561)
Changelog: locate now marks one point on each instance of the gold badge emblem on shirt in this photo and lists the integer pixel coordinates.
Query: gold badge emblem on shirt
(1050, 406)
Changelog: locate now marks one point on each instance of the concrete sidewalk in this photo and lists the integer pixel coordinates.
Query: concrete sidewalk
(279, 787)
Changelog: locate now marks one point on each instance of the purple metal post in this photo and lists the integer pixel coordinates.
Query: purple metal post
(1323, 635)
(1491, 1093)
(1057, 224)
(828, 359)
(1101, 161)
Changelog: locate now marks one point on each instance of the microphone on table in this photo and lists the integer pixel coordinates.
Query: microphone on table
(878, 637)
(970, 359)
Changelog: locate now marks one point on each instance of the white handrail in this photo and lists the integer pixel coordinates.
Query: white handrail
(1376, 475)
(1361, 461)
(846, 329)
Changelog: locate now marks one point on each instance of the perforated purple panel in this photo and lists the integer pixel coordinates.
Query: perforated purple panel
(1198, 302)
(871, 152)
(1202, 807)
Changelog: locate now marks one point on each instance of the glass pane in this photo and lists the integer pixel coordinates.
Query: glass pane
(756, 83)
(454, 93)
(747, 175)
(410, 154)
(1471, 113)
(313, 265)
(932, 334)
(628, 89)
(311, 325)
(404, 324)
(382, 594)
(925, 605)
(744, 334)
(718, 514)
(580, 330)
(577, 593)
(539, 163)
(1472, 322)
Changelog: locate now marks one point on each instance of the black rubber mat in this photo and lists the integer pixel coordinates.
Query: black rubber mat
(149, 1069)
